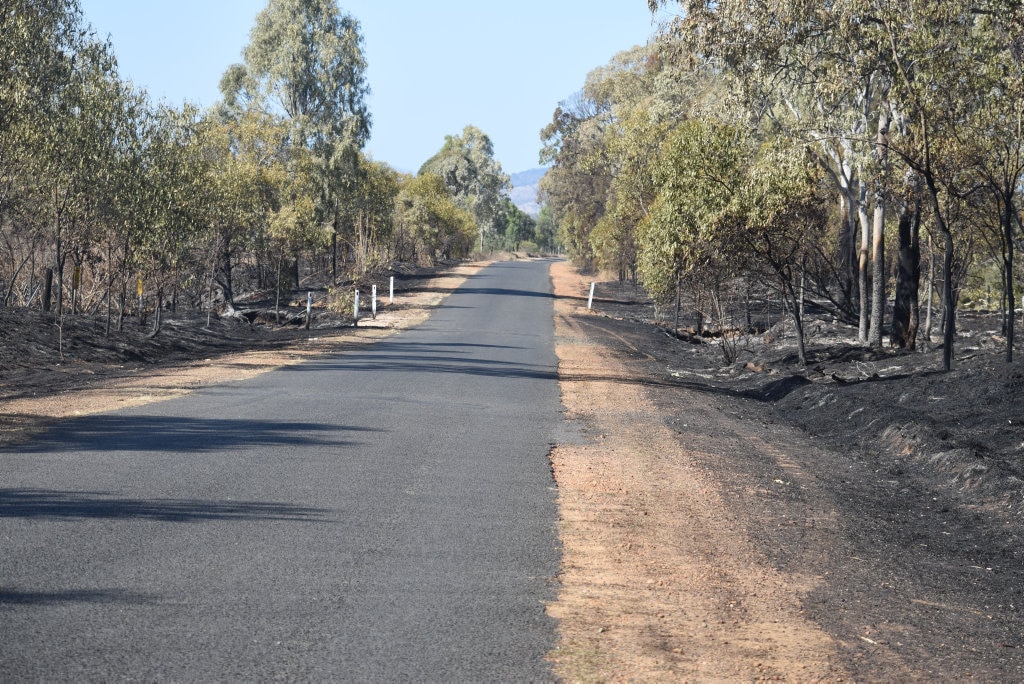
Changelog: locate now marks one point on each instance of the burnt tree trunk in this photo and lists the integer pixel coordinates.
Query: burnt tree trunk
(1009, 293)
(48, 290)
(905, 315)
(229, 290)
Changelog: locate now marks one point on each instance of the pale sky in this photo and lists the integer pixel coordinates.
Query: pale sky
(433, 67)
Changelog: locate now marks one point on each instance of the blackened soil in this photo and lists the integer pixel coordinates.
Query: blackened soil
(896, 489)
(41, 354)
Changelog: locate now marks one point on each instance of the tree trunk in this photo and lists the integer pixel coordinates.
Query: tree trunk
(60, 277)
(931, 291)
(120, 306)
(790, 301)
(277, 291)
(878, 298)
(862, 264)
(948, 301)
(803, 288)
(229, 289)
(1009, 295)
(948, 298)
(679, 290)
(110, 284)
(847, 248)
(48, 290)
(157, 313)
(334, 254)
(908, 278)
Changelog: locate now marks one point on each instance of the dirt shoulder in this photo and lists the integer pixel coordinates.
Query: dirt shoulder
(48, 373)
(717, 526)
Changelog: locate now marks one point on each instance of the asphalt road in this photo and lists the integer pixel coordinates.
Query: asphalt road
(387, 514)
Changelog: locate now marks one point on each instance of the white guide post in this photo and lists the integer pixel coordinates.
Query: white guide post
(590, 300)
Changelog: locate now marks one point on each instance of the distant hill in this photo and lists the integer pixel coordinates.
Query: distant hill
(524, 190)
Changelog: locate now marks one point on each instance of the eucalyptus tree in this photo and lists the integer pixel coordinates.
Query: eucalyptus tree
(373, 210)
(545, 232)
(814, 72)
(603, 144)
(683, 237)
(779, 218)
(474, 177)
(40, 39)
(248, 171)
(575, 188)
(68, 142)
(126, 219)
(174, 200)
(305, 62)
(995, 131)
(946, 60)
(437, 226)
(516, 226)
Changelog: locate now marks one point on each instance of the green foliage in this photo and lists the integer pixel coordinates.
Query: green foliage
(515, 226)
(93, 173)
(436, 225)
(690, 230)
(545, 232)
(467, 167)
(305, 57)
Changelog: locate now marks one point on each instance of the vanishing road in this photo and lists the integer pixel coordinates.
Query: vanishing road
(386, 514)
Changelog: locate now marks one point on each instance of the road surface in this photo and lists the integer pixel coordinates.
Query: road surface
(387, 514)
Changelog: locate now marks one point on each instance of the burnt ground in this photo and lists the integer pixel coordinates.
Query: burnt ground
(916, 473)
(40, 357)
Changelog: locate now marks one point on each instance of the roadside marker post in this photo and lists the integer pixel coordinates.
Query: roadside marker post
(590, 300)
(356, 308)
(309, 309)
(391, 295)
(374, 303)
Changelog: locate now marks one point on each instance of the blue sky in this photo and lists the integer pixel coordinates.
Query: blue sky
(433, 67)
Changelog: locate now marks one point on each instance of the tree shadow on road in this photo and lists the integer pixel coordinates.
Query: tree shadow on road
(414, 360)
(15, 597)
(52, 504)
(164, 434)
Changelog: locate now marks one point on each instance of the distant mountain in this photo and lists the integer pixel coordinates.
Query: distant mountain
(524, 190)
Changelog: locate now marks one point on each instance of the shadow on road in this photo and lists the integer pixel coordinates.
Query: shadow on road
(169, 434)
(413, 358)
(490, 292)
(14, 597)
(44, 503)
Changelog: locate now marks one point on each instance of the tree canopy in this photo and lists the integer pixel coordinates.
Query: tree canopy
(667, 162)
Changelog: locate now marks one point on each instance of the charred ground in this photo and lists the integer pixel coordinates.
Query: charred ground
(906, 498)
